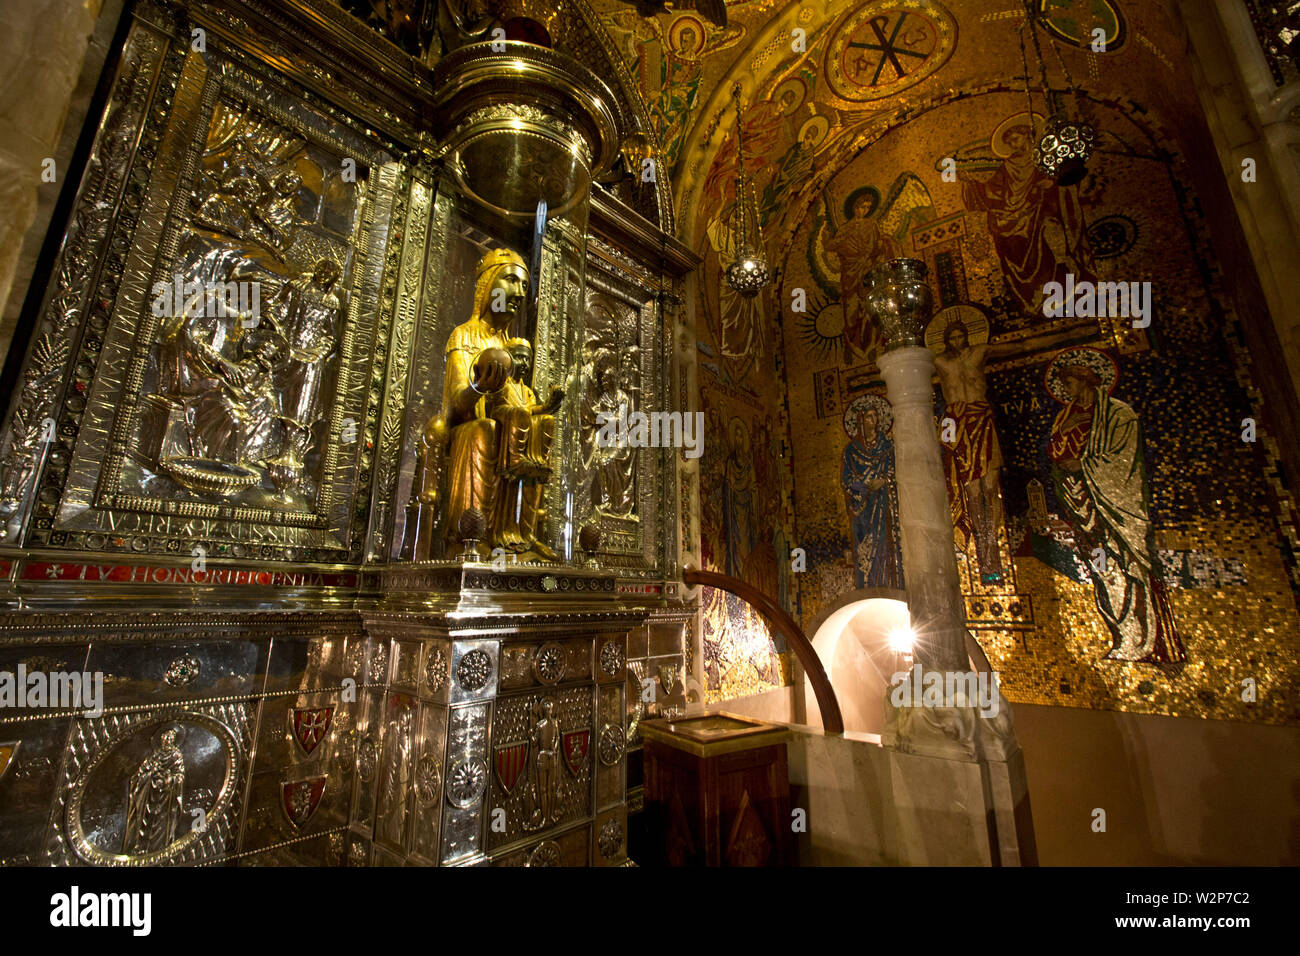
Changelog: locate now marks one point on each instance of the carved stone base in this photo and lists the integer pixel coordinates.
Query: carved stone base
(965, 735)
(962, 732)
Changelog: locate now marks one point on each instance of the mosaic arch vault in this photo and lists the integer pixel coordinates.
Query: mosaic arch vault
(1161, 592)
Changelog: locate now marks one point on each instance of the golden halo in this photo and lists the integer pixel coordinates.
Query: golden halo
(795, 85)
(829, 322)
(820, 124)
(1090, 358)
(884, 413)
(997, 141)
(976, 322)
(675, 36)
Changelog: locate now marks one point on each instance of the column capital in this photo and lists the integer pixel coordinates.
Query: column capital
(899, 301)
(907, 371)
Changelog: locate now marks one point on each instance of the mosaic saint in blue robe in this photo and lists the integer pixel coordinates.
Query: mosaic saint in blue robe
(868, 478)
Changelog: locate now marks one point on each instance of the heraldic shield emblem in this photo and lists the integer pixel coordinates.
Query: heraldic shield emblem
(7, 751)
(310, 726)
(300, 798)
(577, 744)
(510, 762)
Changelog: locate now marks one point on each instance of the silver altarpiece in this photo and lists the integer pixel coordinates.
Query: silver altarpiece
(212, 474)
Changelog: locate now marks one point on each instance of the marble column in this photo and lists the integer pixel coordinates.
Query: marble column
(900, 302)
(957, 745)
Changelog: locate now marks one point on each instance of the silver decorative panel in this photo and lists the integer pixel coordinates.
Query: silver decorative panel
(543, 750)
(465, 781)
(207, 470)
(151, 787)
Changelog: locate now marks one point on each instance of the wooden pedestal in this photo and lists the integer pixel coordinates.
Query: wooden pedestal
(717, 792)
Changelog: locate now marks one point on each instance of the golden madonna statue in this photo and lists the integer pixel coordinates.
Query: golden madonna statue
(492, 440)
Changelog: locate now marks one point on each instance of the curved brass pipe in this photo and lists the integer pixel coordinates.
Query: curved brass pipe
(775, 615)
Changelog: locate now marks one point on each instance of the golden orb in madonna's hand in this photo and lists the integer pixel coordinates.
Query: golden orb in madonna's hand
(492, 368)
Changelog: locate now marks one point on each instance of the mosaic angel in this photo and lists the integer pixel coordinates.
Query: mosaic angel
(865, 240)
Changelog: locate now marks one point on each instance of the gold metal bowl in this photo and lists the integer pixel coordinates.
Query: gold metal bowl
(523, 123)
(208, 477)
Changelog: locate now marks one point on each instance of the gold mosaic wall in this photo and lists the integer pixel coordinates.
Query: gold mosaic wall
(849, 136)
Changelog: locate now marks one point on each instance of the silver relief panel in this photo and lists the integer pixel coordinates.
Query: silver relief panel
(226, 401)
(611, 373)
(153, 787)
(30, 754)
(302, 782)
(137, 674)
(610, 745)
(543, 746)
(464, 783)
(366, 756)
(396, 771)
(37, 435)
(623, 371)
(427, 783)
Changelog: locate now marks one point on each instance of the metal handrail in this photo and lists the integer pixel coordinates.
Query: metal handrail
(777, 618)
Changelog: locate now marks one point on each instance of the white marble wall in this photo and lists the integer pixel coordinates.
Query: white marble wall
(43, 45)
(869, 805)
(873, 806)
(1250, 118)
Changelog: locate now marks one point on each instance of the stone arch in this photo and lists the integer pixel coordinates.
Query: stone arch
(851, 638)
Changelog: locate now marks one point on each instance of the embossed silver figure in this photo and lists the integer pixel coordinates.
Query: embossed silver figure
(238, 391)
(309, 305)
(214, 399)
(154, 798)
(230, 207)
(274, 218)
(312, 303)
(542, 801)
(611, 467)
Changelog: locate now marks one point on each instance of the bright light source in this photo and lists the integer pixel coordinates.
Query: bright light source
(749, 265)
(901, 640)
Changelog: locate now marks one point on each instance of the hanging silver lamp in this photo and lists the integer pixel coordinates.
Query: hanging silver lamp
(1062, 152)
(1065, 143)
(748, 272)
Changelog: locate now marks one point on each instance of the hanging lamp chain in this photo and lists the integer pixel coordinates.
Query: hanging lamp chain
(1032, 15)
(1069, 82)
(742, 211)
(1024, 60)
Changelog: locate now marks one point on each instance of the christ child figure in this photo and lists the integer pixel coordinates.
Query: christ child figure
(527, 426)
